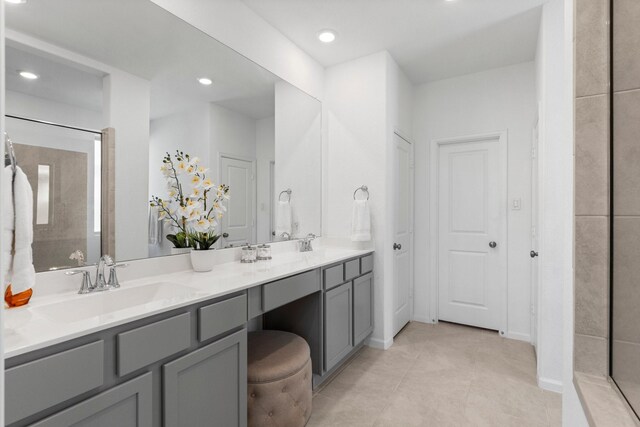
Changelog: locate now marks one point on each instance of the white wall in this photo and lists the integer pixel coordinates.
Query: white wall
(23, 105)
(230, 133)
(556, 196)
(298, 156)
(354, 121)
(494, 100)
(237, 26)
(126, 101)
(364, 101)
(265, 154)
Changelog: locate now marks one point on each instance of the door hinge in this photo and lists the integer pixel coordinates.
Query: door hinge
(534, 152)
(533, 310)
(533, 232)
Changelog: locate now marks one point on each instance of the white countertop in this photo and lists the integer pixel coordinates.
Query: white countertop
(60, 317)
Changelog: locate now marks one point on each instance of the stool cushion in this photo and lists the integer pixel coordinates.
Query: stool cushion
(273, 355)
(279, 385)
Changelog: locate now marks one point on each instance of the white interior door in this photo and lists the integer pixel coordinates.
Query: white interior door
(238, 223)
(403, 229)
(534, 235)
(472, 244)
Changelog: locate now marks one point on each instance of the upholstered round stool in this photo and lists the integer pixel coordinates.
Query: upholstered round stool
(279, 377)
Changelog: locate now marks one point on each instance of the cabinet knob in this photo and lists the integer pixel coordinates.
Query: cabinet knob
(397, 246)
(533, 254)
(492, 245)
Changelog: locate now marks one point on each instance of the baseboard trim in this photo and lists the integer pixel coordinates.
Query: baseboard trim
(379, 344)
(519, 336)
(422, 319)
(550, 385)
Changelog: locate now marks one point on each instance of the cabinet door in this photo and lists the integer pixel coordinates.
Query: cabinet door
(338, 339)
(362, 307)
(127, 405)
(208, 386)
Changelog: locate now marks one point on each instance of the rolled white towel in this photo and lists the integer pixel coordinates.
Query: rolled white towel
(8, 225)
(360, 221)
(283, 218)
(24, 275)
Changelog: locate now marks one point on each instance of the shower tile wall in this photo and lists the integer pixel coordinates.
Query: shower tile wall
(626, 175)
(591, 346)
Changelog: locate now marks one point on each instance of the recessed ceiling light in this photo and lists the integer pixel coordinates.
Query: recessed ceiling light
(327, 36)
(16, 1)
(205, 81)
(28, 75)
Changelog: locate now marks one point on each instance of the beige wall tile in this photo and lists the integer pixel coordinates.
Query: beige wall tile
(590, 355)
(626, 45)
(626, 128)
(591, 275)
(591, 45)
(626, 272)
(592, 155)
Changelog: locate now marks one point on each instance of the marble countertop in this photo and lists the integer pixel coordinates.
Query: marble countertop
(60, 317)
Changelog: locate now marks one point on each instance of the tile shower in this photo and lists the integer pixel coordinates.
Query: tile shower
(625, 190)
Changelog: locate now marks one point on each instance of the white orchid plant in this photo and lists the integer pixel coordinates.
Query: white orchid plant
(194, 206)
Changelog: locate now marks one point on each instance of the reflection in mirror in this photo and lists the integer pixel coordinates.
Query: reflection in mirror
(42, 195)
(161, 85)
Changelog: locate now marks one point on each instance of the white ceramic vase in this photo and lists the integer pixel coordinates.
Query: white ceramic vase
(180, 251)
(202, 261)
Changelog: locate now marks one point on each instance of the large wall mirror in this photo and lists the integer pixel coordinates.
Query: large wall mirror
(99, 91)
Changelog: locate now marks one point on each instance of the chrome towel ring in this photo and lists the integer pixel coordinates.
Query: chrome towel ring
(288, 192)
(364, 189)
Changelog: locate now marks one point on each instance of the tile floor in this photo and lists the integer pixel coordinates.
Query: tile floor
(439, 375)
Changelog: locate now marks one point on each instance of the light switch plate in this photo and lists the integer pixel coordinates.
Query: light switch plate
(516, 205)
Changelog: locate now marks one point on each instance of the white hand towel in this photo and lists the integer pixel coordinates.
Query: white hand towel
(155, 226)
(8, 225)
(283, 218)
(24, 275)
(360, 221)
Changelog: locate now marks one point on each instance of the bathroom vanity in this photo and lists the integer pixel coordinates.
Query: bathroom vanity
(185, 363)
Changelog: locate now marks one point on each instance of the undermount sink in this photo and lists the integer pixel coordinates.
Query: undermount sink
(101, 304)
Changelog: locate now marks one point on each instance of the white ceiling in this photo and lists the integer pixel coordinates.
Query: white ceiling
(143, 39)
(430, 39)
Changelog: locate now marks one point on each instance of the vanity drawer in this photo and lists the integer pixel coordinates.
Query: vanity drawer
(351, 269)
(290, 289)
(218, 318)
(366, 264)
(46, 382)
(333, 276)
(148, 344)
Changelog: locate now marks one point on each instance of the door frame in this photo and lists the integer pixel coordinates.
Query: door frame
(411, 220)
(254, 195)
(502, 137)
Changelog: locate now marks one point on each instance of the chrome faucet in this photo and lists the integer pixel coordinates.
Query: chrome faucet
(305, 244)
(101, 284)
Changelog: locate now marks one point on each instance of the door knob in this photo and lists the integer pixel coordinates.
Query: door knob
(397, 246)
(225, 235)
(492, 245)
(533, 254)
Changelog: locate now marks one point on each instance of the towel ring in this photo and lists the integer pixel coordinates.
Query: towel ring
(364, 189)
(10, 155)
(288, 191)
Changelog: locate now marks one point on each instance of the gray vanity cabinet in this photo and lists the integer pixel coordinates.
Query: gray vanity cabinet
(126, 405)
(362, 307)
(208, 386)
(338, 314)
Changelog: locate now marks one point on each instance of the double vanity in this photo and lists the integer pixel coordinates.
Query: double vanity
(172, 350)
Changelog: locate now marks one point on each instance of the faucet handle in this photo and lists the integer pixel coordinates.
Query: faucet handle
(86, 286)
(113, 277)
